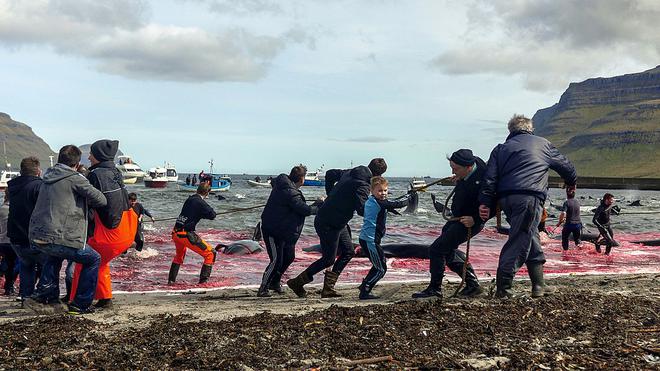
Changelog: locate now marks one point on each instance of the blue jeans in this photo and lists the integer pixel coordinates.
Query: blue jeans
(48, 290)
(31, 259)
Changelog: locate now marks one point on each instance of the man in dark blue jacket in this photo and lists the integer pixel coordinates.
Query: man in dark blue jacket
(281, 223)
(517, 178)
(331, 224)
(23, 192)
(468, 171)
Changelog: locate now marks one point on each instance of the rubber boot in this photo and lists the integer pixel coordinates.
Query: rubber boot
(608, 249)
(597, 247)
(174, 271)
(503, 285)
(296, 284)
(472, 287)
(329, 285)
(276, 286)
(365, 292)
(205, 274)
(104, 304)
(539, 289)
(263, 291)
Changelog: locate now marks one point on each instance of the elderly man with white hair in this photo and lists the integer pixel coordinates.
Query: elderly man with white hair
(517, 179)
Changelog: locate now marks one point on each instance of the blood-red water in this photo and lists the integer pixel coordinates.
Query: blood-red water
(147, 270)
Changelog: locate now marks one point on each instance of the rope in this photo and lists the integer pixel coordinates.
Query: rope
(467, 261)
(230, 211)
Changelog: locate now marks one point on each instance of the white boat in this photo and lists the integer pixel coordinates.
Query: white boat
(315, 178)
(254, 183)
(129, 169)
(418, 184)
(170, 173)
(6, 176)
(156, 178)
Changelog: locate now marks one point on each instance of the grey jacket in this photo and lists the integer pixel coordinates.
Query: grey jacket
(520, 166)
(60, 214)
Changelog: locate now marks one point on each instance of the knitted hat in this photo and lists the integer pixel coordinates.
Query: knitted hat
(104, 149)
(462, 157)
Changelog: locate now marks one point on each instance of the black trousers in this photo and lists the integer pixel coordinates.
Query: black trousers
(378, 263)
(10, 260)
(444, 251)
(333, 240)
(608, 235)
(571, 229)
(281, 254)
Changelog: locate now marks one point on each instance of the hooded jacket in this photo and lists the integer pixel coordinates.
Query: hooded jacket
(520, 166)
(23, 192)
(105, 177)
(346, 197)
(285, 211)
(60, 214)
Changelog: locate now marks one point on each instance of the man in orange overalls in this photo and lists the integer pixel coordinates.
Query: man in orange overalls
(115, 224)
(184, 236)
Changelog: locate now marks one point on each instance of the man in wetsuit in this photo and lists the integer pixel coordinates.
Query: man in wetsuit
(468, 171)
(139, 211)
(602, 221)
(185, 237)
(517, 178)
(570, 217)
(331, 224)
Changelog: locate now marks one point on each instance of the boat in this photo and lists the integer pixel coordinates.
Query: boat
(314, 178)
(418, 184)
(258, 183)
(129, 169)
(219, 183)
(6, 176)
(156, 178)
(170, 173)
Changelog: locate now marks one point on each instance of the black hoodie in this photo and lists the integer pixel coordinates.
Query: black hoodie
(105, 177)
(23, 192)
(285, 212)
(346, 197)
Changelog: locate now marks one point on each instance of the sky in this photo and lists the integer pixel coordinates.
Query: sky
(260, 86)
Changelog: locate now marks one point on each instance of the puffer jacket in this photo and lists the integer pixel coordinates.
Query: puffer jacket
(23, 192)
(105, 177)
(285, 211)
(520, 166)
(60, 214)
(346, 197)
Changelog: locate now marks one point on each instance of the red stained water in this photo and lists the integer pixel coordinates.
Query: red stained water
(147, 270)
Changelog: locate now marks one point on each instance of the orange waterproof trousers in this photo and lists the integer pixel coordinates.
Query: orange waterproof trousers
(109, 243)
(190, 240)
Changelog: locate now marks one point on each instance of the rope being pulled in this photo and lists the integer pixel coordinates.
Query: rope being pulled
(230, 211)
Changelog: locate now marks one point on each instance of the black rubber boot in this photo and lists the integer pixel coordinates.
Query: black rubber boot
(365, 292)
(205, 274)
(263, 291)
(276, 286)
(608, 249)
(504, 290)
(174, 271)
(329, 285)
(104, 304)
(539, 289)
(296, 284)
(598, 247)
(472, 287)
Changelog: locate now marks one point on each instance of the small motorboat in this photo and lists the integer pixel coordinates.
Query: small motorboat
(258, 183)
(129, 169)
(170, 173)
(315, 178)
(156, 178)
(418, 184)
(219, 183)
(6, 176)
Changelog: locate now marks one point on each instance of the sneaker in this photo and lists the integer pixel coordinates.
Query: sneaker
(427, 293)
(74, 310)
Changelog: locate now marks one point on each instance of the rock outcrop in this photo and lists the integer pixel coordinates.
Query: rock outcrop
(20, 141)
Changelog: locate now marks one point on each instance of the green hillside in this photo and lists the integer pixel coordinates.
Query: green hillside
(20, 141)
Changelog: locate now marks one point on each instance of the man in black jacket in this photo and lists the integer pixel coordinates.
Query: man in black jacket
(281, 223)
(468, 171)
(517, 177)
(331, 224)
(23, 192)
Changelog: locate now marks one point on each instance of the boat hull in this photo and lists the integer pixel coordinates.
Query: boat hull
(218, 185)
(314, 183)
(155, 183)
(132, 180)
(253, 183)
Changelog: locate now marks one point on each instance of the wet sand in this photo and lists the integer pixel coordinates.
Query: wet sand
(596, 322)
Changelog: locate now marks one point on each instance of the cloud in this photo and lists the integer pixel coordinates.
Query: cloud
(244, 7)
(550, 43)
(368, 139)
(118, 37)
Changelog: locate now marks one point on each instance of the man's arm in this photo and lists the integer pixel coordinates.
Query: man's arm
(208, 212)
(332, 176)
(488, 192)
(562, 165)
(361, 195)
(95, 198)
(299, 206)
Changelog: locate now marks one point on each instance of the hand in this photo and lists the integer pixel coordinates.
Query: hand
(322, 198)
(484, 212)
(467, 221)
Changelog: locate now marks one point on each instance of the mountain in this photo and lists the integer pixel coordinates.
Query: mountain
(20, 142)
(608, 126)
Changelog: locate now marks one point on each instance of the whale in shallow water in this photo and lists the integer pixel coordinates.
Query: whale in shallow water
(240, 247)
(413, 203)
(391, 250)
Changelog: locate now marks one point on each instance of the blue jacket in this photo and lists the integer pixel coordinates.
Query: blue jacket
(375, 217)
(520, 166)
(346, 197)
(285, 211)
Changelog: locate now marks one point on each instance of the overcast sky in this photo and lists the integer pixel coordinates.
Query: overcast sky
(260, 86)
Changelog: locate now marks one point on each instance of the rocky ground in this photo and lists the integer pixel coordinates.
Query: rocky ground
(607, 322)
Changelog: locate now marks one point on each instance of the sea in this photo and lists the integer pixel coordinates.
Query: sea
(147, 270)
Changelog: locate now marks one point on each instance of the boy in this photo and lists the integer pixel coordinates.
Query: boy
(373, 230)
(602, 221)
(139, 210)
(184, 236)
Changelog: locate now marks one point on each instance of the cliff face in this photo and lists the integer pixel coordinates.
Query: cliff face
(20, 142)
(608, 126)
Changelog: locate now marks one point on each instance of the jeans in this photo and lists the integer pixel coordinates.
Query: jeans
(48, 290)
(31, 260)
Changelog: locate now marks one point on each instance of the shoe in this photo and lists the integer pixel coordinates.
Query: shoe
(504, 290)
(329, 285)
(470, 291)
(276, 286)
(365, 293)
(539, 289)
(205, 274)
(10, 291)
(174, 271)
(74, 310)
(428, 292)
(263, 292)
(104, 304)
(472, 287)
(40, 307)
(296, 284)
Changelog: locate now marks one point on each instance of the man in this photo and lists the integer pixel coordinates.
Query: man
(601, 220)
(139, 211)
(517, 178)
(281, 223)
(6, 252)
(23, 192)
(58, 227)
(331, 224)
(185, 237)
(570, 217)
(468, 171)
(115, 224)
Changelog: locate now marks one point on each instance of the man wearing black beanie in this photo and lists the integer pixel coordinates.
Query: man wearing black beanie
(468, 172)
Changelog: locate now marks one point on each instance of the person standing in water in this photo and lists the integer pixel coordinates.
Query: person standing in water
(570, 217)
(601, 220)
